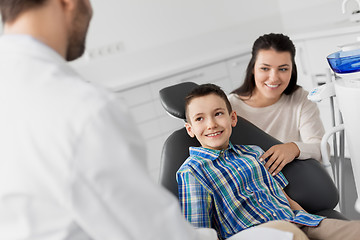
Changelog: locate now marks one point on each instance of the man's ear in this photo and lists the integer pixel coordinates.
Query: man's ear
(68, 4)
(189, 129)
(234, 118)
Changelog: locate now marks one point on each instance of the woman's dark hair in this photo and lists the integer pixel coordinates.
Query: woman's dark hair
(279, 43)
(11, 9)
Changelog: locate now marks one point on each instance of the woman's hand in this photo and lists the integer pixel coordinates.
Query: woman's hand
(280, 155)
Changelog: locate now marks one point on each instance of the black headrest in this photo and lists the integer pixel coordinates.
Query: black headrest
(172, 98)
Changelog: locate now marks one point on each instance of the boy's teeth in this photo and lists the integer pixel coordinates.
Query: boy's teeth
(213, 134)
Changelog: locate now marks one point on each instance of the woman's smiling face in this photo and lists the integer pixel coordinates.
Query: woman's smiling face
(272, 73)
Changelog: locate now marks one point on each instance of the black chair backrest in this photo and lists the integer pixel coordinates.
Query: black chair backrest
(309, 183)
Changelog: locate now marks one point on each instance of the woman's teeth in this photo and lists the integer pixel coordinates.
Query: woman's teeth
(272, 85)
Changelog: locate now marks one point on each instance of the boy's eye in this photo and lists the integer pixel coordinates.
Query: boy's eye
(198, 119)
(219, 113)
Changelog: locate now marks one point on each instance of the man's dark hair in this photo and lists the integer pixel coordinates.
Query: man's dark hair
(204, 90)
(11, 9)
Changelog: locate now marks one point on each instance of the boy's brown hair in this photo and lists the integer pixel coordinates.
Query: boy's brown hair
(204, 90)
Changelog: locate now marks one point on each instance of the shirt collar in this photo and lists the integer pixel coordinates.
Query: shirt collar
(210, 154)
(26, 44)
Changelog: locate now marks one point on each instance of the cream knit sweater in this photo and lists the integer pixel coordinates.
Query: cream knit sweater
(291, 119)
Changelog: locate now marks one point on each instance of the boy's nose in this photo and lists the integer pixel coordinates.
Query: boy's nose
(211, 123)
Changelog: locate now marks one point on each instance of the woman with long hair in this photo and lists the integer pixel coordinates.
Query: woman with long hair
(271, 99)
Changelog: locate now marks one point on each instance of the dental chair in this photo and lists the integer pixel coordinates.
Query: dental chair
(309, 183)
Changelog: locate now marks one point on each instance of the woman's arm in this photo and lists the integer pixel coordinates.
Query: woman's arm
(311, 130)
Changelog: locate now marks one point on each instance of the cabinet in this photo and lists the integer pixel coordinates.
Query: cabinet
(237, 69)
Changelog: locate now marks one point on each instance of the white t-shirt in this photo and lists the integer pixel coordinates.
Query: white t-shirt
(293, 118)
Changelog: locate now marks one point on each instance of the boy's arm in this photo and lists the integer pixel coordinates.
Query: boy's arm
(195, 200)
(293, 204)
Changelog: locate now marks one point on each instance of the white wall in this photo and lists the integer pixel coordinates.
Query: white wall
(309, 15)
(142, 24)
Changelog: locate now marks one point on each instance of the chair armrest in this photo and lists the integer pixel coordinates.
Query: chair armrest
(310, 185)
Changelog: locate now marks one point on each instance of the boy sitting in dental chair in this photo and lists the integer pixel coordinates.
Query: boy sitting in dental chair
(227, 187)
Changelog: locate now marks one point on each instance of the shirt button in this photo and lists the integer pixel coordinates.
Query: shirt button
(274, 214)
(247, 188)
(239, 169)
(260, 200)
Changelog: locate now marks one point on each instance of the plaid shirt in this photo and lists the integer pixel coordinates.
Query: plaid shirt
(230, 190)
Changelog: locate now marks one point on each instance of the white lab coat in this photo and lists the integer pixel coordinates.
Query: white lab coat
(71, 162)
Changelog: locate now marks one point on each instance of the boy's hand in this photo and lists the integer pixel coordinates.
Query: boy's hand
(280, 155)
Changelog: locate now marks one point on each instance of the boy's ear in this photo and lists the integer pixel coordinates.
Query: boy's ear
(189, 130)
(234, 118)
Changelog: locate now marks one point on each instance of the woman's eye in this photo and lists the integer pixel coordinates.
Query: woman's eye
(265, 69)
(283, 69)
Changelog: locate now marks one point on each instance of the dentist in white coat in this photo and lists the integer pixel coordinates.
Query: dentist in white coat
(71, 162)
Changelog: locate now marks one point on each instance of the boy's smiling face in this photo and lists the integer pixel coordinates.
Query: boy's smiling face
(210, 121)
